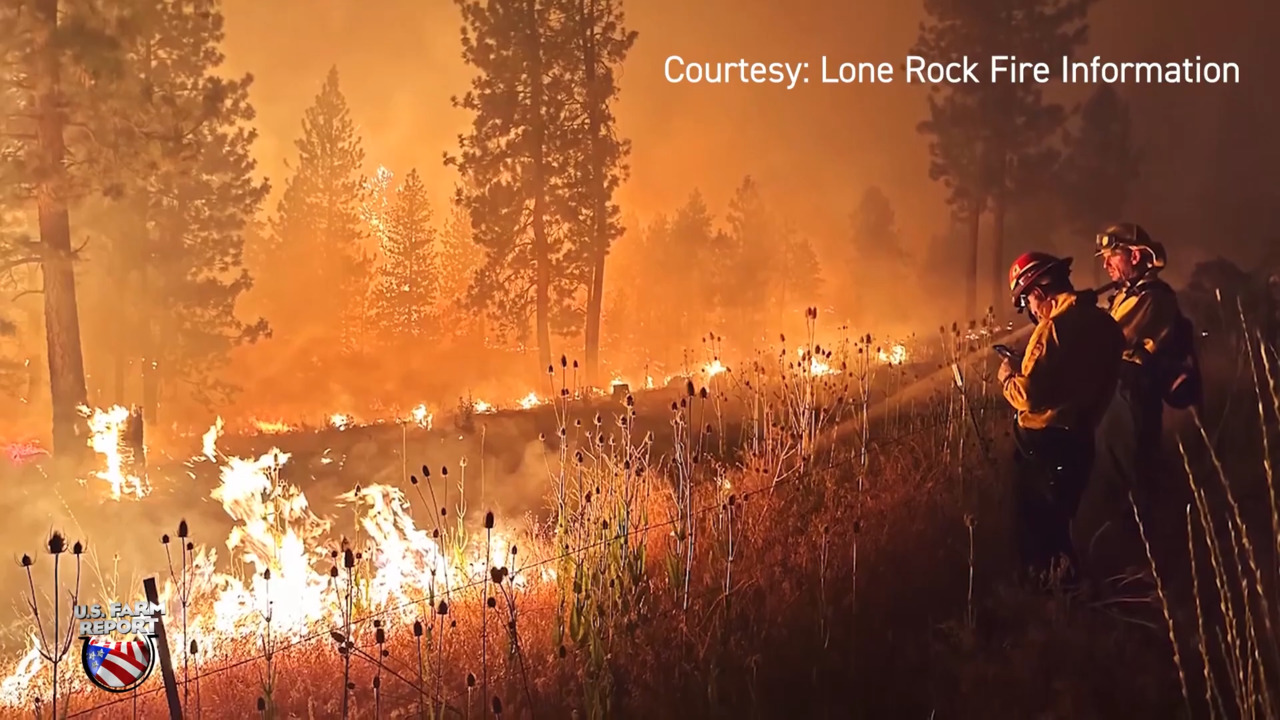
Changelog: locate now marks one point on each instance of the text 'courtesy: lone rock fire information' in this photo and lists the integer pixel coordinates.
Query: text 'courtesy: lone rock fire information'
(917, 70)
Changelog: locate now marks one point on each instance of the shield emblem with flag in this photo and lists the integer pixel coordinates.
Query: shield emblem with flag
(118, 666)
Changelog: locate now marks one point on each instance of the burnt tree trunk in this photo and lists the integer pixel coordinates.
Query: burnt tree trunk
(971, 274)
(999, 271)
(62, 322)
(151, 377)
(538, 130)
(119, 365)
(597, 189)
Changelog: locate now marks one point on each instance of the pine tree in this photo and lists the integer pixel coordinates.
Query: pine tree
(1100, 165)
(56, 56)
(319, 273)
(875, 231)
(799, 280)
(403, 309)
(692, 240)
(378, 194)
(872, 258)
(512, 171)
(599, 42)
(459, 258)
(174, 261)
(659, 266)
(749, 277)
(11, 244)
(990, 141)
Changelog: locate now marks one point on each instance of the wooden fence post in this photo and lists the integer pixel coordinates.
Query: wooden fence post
(162, 647)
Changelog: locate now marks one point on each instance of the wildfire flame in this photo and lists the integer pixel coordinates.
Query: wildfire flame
(289, 552)
(421, 416)
(209, 441)
(108, 438)
(529, 401)
(714, 368)
(272, 427)
(895, 355)
(816, 365)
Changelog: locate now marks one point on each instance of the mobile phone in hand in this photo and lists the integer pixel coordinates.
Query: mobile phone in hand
(1005, 351)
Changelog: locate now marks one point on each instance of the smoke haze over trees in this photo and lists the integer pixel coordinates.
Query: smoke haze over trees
(222, 246)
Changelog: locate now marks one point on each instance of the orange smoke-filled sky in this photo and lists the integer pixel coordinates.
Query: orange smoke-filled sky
(814, 148)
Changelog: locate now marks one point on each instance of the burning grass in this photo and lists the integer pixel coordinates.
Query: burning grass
(781, 550)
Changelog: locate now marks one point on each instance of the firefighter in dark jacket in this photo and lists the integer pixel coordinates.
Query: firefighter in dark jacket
(1145, 307)
(1061, 389)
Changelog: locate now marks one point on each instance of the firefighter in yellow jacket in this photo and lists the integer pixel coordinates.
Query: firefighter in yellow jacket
(1061, 389)
(1146, 308)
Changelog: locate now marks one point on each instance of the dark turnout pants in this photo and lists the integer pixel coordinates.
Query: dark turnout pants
(1052, 471)
(1147, 408)
(1131, 434)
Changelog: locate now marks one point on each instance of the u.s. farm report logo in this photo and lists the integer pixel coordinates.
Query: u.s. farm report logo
(113, 664)
(119, 666)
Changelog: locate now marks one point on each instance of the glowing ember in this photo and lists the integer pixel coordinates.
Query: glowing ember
(22, 452)
(529, 401)
(108, 430)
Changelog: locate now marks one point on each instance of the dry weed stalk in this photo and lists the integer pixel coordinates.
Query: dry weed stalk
(1164, 606)
(182, 581)
(55, 642)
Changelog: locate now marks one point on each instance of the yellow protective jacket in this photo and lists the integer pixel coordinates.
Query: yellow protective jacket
(1145, 310)
(1070, 368)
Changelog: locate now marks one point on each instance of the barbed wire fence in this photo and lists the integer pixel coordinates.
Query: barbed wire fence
(853, 458)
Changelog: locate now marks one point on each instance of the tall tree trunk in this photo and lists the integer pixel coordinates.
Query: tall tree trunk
(151, 390)
(119, 366)
(595, 306)
(62, 322)
(541, 252)
(999, 271)
(971, 276)
(598, 189)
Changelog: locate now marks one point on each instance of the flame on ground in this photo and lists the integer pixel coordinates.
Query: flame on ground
(421, 416)
(895, 355)
(816, 365)
(272, 427)
(296, 572)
